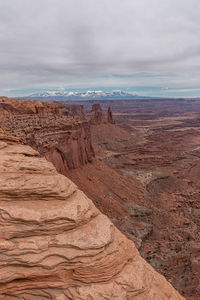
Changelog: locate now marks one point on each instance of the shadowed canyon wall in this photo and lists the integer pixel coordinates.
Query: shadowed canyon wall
(61, 132)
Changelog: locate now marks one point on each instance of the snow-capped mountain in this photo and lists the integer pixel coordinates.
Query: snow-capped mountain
(89, 95)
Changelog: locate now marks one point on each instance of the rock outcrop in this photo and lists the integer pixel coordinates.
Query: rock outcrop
(26, 106)
(110, 116)
(55, 244)
(97, 112)
(98, 116)
(61, 132)
(74, 149)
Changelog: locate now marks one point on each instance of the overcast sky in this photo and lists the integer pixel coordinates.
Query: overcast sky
(150, 46)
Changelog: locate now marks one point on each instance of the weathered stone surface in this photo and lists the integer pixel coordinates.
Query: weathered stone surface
(54, 243)
(97, 112)
(110, 116)
(61, 132)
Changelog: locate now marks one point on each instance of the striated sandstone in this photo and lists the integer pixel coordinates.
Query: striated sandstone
(96, 114)
(61, 132)
(54, 243)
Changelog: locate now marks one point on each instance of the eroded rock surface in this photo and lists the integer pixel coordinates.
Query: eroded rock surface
(162, 152)
(110, 116)
(54, 243)
(97, 118)
(61, 132)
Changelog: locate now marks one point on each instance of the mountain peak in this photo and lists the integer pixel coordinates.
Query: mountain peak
(90, 94)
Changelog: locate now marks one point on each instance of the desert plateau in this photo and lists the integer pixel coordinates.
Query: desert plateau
(99, 150)
(137, 161)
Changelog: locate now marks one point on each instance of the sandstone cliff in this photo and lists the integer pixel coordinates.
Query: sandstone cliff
(55, 244)
(97, 112)
(61, 132)
(98, 116)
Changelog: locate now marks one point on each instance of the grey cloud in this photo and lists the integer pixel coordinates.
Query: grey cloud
(83, 43)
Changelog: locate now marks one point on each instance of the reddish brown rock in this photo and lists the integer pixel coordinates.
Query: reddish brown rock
(61, 132)
(96, 107)
(110, 116)
(161, 150)
(97, 112)
(54, 243)
(64, 137)
(98, 116)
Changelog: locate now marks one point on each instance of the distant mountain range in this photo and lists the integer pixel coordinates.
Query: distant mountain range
(89, 95)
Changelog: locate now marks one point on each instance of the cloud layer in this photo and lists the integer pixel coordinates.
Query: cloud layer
(91, 43)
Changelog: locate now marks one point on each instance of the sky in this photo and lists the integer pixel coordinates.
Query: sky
(151, 47)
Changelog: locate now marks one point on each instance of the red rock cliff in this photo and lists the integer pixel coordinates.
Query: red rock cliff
(54, 243)
(59, 131)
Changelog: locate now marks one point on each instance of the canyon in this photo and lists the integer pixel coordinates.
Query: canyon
(55, 244)
(138, 162)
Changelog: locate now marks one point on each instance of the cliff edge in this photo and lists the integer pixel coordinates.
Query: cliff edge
(55, 244)
(60, 132)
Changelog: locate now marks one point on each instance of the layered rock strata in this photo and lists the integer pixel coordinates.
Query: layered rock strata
(98, 116)
(97, 112)
(55, 244)
(61, 132)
